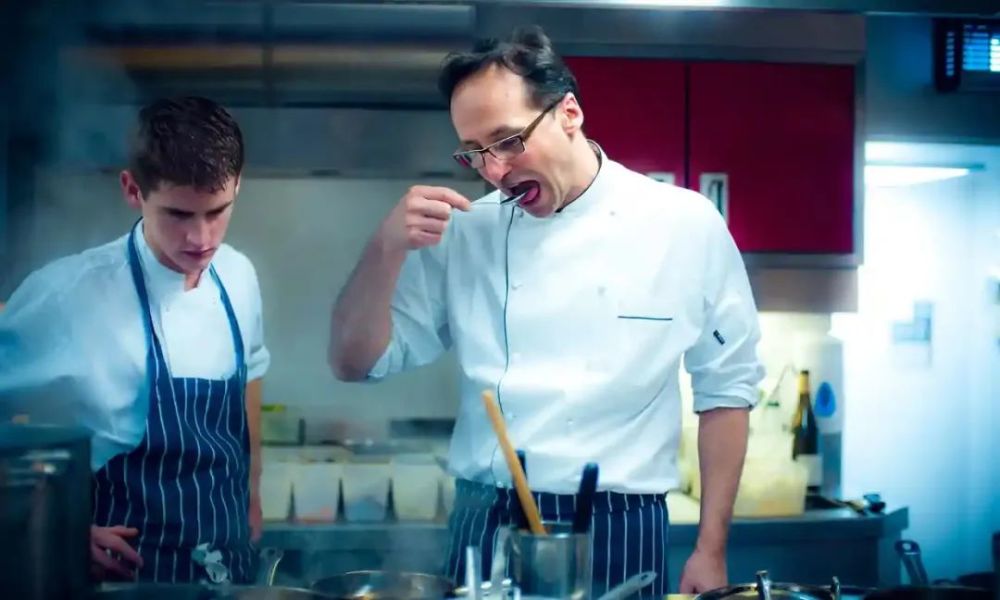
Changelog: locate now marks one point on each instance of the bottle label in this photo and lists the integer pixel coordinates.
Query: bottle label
(814, 466)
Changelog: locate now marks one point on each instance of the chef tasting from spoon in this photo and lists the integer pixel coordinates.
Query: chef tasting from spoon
(575, 304)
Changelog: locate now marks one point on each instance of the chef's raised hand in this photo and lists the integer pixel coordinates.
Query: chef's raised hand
(421, 217)
(111, 553)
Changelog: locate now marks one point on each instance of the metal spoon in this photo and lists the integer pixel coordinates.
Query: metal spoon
(630, 586)
(514, 198)
(504, 202)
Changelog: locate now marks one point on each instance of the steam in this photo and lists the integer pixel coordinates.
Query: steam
(63, 111)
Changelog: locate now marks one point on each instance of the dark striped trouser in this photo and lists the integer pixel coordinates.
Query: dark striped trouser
(629, 532)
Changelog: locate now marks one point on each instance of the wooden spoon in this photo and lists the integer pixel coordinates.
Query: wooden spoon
(520, 481)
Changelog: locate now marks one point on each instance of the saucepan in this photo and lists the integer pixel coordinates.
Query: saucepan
(920, 587)
(194, 591)
(383, 585)
(264, 589)
(380, 585)
(909, 553)
(911, 560)
(396, 585)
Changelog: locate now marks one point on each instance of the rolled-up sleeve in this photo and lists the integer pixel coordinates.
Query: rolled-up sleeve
(723, 362)
(420, 331)
(258, 357)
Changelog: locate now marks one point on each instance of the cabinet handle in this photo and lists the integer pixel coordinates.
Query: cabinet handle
(715, 187)
(664, 176)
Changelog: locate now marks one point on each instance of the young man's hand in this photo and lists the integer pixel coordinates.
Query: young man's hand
(110, 553)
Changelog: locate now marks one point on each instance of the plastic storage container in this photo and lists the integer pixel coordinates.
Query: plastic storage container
(316, 487)
(416, 485)
(771, 488)
(772, 484)
(366, 489)
(276, 490)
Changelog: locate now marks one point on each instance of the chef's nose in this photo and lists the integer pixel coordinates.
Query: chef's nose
(494, 169)
(198, 233)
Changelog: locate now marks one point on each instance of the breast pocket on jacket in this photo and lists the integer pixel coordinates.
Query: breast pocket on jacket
(643, 325)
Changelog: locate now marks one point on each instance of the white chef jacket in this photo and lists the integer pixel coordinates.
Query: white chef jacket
(73, 345)
(578, 323)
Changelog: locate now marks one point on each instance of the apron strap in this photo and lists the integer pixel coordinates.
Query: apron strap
(234, 327)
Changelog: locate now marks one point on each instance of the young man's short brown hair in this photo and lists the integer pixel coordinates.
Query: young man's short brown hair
(188, 141)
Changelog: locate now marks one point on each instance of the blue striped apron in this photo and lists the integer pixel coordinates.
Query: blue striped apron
(187, 482)
(629, 532)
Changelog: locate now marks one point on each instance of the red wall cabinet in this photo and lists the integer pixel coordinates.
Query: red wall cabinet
(634, 108)
(772, 144)
(783, 136)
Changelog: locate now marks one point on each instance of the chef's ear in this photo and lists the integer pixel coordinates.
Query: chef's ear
(130, 189)
(236, 191)
(570, 114)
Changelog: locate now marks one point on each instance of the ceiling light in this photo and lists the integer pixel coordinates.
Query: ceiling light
(901, 175)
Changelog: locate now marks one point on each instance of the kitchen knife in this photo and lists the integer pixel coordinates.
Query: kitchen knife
(516, 514)
(585, 499)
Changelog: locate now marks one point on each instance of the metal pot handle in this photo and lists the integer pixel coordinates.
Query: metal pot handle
(501, 550)
(269, 558)
(630, 586)
(763, 586)
(909, 554)
(472, 558)
(996, 565)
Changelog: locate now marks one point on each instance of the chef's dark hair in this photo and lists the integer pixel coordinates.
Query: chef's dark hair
(186, 141)
(528, 52)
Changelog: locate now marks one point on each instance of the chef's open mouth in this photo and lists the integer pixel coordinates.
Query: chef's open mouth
(527, 192)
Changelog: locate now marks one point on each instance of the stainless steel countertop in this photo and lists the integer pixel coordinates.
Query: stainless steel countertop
(813, 525)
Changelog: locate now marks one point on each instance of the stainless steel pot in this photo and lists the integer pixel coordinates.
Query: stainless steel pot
(381, 585)
(395, 585)
(920, 588)
(193, 591)
(45, 511)
(764, 589)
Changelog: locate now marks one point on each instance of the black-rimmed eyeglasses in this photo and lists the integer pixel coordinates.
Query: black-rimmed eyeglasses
(504, 149)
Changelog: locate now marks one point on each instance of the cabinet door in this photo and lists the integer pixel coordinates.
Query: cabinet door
(779, 140)
(635, 109)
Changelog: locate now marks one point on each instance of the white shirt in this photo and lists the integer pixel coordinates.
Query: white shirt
(73, 346)
(578, 323)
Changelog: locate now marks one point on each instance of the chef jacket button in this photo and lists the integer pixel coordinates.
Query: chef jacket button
(612, 213)
(600, 290)
(515, 285)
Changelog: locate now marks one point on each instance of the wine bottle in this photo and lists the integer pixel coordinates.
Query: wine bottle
(805, 444)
